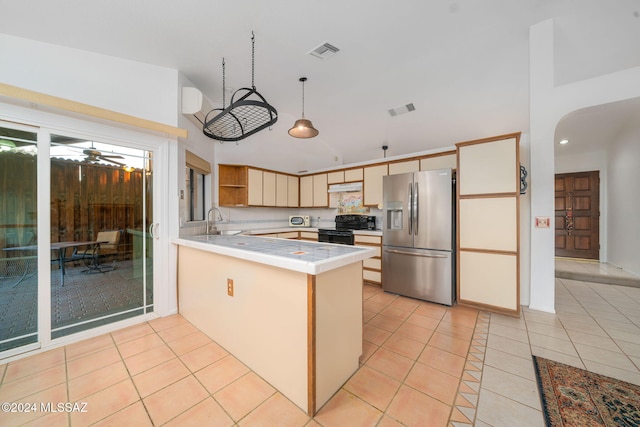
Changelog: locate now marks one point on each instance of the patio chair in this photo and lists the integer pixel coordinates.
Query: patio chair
(108, 247)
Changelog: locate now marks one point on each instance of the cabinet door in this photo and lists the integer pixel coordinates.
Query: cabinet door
(438, 162)
(293, 183)
(336, 177)
(306, 191)
(404, 167)
(373, 184)
(254, 187)
(320, 191)
(282, 192)
(351, 175)
(268, 188)
(489, 224)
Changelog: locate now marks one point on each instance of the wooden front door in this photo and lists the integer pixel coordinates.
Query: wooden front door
(578, 215)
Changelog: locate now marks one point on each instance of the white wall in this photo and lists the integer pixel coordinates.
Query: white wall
(201, 146)
(137, 89)
(129, 87)
(525, 225)
(548, 105)
(623, 188)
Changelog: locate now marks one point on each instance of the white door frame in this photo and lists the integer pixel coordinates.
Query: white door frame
(75, 125)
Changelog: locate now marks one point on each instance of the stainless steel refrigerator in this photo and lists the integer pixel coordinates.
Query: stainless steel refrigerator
(418, 237)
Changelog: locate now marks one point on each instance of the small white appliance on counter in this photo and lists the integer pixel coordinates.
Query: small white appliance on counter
(299, 221)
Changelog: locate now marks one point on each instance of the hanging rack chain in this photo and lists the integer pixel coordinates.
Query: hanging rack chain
(253, 59)
(224, 89)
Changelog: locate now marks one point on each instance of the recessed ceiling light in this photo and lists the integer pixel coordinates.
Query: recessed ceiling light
(564, 141)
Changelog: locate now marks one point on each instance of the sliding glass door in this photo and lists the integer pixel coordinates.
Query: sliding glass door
(101, 211)
(76, 242)
(18, 238)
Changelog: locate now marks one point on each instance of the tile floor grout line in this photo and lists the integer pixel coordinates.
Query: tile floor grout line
(615, 341)
(140, 399)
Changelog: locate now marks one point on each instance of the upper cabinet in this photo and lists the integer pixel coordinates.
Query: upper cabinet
(314, 191)
(243, 186)
(320, 191)
(353, 175)
(404, 167)
(293, 186)
(282, 192)
(336, 177)
(254, 187)
(268, 188)
(440, 161)
(373, 184)
(232, 185)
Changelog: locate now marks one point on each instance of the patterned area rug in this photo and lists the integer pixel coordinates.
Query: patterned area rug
(575, 397)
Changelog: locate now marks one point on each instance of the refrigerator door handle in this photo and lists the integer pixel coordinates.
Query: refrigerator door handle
(395, 251)
(416, 213)
(410, 209)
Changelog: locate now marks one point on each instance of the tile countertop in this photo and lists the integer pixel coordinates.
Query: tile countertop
(312, 229)
(297, 255)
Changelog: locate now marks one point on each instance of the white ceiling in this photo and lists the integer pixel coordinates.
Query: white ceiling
(463, 64)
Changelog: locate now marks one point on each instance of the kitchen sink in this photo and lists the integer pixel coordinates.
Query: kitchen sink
(225, 232)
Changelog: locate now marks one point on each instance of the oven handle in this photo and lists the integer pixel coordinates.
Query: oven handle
(395, 251)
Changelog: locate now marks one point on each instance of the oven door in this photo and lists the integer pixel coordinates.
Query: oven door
(335, 236)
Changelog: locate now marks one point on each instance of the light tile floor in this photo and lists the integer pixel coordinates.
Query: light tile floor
(423, 364)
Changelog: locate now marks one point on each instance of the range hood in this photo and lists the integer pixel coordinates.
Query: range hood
(345, 188)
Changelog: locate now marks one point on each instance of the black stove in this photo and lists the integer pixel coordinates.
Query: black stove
(345, 224)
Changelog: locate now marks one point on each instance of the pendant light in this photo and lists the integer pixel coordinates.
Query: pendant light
(303, 128)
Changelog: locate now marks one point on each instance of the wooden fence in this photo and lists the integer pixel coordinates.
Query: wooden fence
(85, 199)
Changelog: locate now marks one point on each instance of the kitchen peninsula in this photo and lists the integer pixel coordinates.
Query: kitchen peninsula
(290, 310)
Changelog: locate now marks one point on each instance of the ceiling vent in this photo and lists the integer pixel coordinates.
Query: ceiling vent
(401, 110)
(324, 51)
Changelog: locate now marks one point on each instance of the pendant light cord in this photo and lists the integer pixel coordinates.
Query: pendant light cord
(253, 59)
(303, 99)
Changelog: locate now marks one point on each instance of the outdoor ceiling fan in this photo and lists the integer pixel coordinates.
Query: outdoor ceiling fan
(93, 156)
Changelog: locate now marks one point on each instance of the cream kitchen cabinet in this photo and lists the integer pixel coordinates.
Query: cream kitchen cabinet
(306, 191)
(240, 185)
(336, 177)
(268, 188)
(373, 184)
(438, 162)
(293, 186)
(254, 187)
(404, 167)
(313, 191)
(353, 175)
(282, 192)
(371, 267)
(320, 191)
(488, 224)
(309, 235)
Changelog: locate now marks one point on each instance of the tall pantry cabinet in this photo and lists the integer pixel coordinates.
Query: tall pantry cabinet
(488, 187)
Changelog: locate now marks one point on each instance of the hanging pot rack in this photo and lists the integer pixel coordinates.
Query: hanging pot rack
(248, 112)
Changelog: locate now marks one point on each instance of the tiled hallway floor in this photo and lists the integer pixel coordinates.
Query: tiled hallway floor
(423, 364)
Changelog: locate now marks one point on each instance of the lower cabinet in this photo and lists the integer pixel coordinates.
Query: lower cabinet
(372, 267)
(285, 235)
(309, 235)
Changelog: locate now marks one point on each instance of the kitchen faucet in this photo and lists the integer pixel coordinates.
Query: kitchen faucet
(219, 215)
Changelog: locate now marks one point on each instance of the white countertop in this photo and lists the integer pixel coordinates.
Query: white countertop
(312, 229)
(297, 255)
